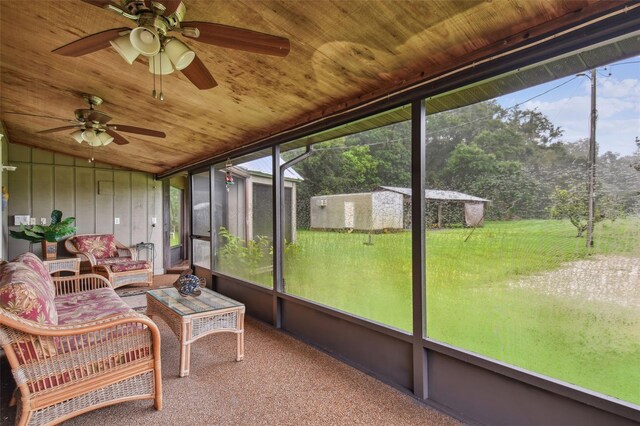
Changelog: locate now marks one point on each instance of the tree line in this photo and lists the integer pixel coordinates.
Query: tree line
(516, 158)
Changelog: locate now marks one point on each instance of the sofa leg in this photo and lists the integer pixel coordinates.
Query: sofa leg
(157, 402)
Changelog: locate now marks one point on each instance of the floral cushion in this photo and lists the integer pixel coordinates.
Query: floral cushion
(112, 260)
(100, 246)
(120, 265)
(23, 293)
(89, 305)
(77, 308)
(34, 262)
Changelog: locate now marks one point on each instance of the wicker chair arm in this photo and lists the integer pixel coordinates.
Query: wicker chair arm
(44, 358)
(76, 284)
(86, 256)
(127, 252)
(37, 329)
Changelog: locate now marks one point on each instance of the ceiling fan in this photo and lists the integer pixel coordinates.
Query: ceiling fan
(91, 126)
(155, 19)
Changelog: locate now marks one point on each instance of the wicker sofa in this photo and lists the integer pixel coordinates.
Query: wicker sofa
(73, 345)
(104, 255)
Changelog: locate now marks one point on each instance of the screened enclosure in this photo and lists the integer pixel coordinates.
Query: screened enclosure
(522, 266)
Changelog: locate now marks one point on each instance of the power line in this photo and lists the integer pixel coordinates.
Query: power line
(456, 126)
(506, 109)
(461, 124)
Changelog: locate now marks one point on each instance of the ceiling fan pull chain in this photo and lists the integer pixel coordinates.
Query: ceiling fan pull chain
(161, 94)
(153, 93)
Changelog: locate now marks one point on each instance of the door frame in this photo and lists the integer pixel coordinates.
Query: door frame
(184, 223)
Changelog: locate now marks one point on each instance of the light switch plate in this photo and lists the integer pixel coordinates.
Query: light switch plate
(153, 220)
(43, 221)
(116, 221)
(32, 221)
(21, 220)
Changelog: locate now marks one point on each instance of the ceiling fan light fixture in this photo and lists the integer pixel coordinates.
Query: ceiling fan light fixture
(156, 61)
(179, 54)
(123, 46)
(145, 40)
(77, 135)
(104, 138)
(91, 138)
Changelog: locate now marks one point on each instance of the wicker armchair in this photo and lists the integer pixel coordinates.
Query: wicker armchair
(117, 263)
(65, 370)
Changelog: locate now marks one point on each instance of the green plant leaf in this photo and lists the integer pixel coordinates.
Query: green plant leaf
(67, 221)
(56, 215)
(33, 234)
(22, 236)
(38, 229)
(56, 231)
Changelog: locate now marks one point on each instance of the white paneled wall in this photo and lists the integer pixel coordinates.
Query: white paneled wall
(95, 194)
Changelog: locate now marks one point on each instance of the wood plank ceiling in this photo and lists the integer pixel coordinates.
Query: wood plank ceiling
(341, 52)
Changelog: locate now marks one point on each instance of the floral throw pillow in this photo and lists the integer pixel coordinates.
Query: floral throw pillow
(34, 262)
(101, 246)
(22, 294)
(126, 265)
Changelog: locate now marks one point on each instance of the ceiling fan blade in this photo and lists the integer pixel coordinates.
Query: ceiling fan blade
(137, 130)
(199, 75)
(58, 129)
(99, 117)
(240, 38)
(90, 44)
(38, 115)
(170, 5)
(117, 139)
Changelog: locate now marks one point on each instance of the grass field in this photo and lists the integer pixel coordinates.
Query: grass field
(473, 301)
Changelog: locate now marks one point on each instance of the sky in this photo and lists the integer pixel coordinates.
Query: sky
(568, 106)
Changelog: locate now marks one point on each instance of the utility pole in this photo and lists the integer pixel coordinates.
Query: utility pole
(591, 162)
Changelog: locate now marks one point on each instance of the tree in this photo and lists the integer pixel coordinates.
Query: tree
(572, 204)
(472, 170)
(360, 168)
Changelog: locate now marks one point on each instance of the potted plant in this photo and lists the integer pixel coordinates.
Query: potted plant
(48, 235)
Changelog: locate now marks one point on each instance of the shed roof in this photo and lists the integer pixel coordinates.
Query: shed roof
(437, 194)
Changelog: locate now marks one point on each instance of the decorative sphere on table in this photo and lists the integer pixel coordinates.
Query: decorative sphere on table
(188, 284)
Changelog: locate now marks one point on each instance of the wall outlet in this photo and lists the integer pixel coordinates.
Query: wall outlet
(116, 221)
(21, 220)
(32, 221)
(43, 221)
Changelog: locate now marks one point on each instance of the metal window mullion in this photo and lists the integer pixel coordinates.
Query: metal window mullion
(418, 269)
(191, 198)
(212, 214)
(277, 202)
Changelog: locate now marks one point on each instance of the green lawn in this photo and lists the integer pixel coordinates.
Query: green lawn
(175, 239)
(472, 302)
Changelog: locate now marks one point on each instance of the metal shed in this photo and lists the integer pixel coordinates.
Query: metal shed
(368, 211)
(473, 206)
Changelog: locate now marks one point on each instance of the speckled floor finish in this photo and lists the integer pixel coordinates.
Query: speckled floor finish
(280, 382)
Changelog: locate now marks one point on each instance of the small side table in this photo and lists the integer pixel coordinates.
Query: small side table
(193, 317)
(149, 248)
(68, 264)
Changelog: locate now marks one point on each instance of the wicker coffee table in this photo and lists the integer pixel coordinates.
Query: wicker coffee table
(193, 317)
